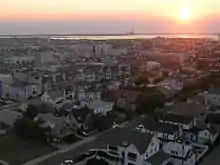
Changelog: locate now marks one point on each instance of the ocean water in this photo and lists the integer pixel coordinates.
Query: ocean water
(110, 37)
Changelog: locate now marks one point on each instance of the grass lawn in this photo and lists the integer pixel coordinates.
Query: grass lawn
(15, 150)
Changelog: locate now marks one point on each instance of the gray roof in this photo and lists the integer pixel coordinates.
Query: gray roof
(55, 94)
(177, 118)
(9, 117)
(156, 126)
(96, 104)
(49, 117)
(158, 158)
(140, 140)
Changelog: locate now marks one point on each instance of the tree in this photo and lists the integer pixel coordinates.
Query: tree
(31, 112)
(141, 80)
(28, 128)
(102, 123)
(96, 162)
(152, 99)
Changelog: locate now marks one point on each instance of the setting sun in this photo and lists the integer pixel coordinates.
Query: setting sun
(184, 14)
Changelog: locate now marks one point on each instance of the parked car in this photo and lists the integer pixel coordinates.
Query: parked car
(67, 162)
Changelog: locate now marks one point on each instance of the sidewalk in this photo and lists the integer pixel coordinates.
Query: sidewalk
(66, 149)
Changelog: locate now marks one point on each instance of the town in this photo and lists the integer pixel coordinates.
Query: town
(150, 101)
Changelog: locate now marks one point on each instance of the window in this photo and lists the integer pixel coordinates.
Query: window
(132, 155)
(113, 148)
(152, 143)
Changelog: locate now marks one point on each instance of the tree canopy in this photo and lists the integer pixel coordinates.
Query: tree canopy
(141, 80)
(31, 112)
(152, 99)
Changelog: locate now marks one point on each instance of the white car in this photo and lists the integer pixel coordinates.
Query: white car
(139, 127)
(67, 162)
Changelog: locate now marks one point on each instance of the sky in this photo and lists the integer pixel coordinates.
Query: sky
(108, 16)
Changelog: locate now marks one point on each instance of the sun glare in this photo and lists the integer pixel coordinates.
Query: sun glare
(184, 14)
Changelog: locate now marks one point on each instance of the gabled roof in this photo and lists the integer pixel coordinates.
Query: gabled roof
(156, 126)
(140, 140)
(177, 118)
(159, 158)
(187, 109)
(55, 94)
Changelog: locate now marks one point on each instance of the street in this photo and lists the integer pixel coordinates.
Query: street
(100, 142)
(212, 158)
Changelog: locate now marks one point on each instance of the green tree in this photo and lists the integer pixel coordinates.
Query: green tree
(28, 128)
(152, 99)
(141, 80)
(102, 123)
(31, 112)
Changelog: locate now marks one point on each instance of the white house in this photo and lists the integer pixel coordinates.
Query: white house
(99, 107)
(18, 59)
(20, 91)
(53, 97)
(88, 95)
(207, 135)
(213, 97)
(181, 154)
(135, 147)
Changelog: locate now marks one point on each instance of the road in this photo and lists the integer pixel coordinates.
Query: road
(212, 158)
(100, 142)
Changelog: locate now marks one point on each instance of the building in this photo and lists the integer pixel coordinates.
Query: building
(59, 126)
(184, 122)
(124, 98)
(21, 91)
(135, 147)
(99, 107)
(159, 158)
(181, 154)
(18, 60)
(53, 97)
(164, 131)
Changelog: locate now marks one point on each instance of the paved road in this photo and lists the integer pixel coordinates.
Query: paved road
(99, 143)
(212, 158)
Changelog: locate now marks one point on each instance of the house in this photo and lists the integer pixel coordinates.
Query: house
(53, 97)
(20, 91)
(59, 126)
(199, 99)
(184, 122)
(9, 117)
(124, 98)
(134, 147)
(84, 95)
(207, 135)
(204, 135)
(189, 110)
(164, 131)
(159, 158)
(99, 107)
(181, 154)
(212, 96)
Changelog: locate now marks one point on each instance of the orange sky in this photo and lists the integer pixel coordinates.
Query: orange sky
(156, 15)
(44, 9)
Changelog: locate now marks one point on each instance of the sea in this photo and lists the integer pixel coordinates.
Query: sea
(121, 37)
(115, 36)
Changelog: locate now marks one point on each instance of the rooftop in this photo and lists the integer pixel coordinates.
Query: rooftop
(158, 158)
(140, 140)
